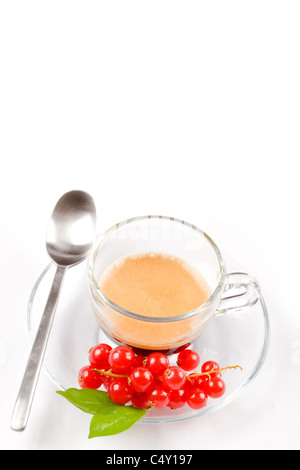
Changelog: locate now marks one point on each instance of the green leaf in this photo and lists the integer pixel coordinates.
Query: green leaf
(114, 420)
(87, 399)
(109, 418)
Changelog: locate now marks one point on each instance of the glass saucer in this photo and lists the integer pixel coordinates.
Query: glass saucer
(240, 337)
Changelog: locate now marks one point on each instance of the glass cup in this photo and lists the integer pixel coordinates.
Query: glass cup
(167, 235)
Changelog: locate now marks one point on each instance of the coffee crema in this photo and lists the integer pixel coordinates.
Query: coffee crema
(154, 284)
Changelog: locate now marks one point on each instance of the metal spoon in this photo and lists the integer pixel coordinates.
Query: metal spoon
(69, 238)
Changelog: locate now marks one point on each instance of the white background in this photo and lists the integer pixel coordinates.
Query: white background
(183, 108)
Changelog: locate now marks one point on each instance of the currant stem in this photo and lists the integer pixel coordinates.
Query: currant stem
(111, 374)
(214, 371)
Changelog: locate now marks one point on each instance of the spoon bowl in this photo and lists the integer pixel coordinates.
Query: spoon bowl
(71, 228)
(70, 235)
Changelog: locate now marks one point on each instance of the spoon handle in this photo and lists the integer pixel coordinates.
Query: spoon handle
(27, 389)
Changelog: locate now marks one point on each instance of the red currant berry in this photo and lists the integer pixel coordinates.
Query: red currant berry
(140, 400)
(157, 363)
(190, 382)
(140, 379)
(98, 356)
(119, 391)
(107, 380)
(121, 359)
(138, 361)
(89, 378)
(188, 359)
(215, 387)
(210, 366)
(199, 381)
(174, 378)
(159, 396)
(196, 399)
(177, 398)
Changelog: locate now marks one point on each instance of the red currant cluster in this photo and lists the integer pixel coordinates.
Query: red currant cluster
(152, 381)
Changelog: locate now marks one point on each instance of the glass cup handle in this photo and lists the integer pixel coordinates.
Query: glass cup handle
(241, 290)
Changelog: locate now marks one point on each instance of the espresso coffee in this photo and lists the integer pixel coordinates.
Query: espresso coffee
(154, 284)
